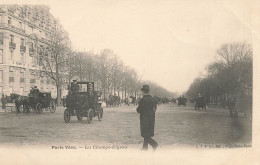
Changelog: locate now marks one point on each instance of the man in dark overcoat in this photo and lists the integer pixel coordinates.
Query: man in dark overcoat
(147, 107)
(74, 87)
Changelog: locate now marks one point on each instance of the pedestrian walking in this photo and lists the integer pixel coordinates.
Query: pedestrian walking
(147, 107)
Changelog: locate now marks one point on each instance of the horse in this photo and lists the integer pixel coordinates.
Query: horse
(113, 101)
(20, 102)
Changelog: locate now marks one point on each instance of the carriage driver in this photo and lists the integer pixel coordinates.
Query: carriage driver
(36, 91)
(74, 87)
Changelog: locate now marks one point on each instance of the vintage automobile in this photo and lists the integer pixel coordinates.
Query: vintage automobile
(41, 101)
(182, 101)
(84, 102)
(200, 102)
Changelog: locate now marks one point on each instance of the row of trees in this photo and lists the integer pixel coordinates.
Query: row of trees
(110, 74)
(229, 76)
(61, 65)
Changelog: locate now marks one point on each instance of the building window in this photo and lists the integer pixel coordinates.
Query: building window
(22, 77)
(32, 79)
(9, 21)
(1, 38)
(40, 61)
(1, 76)
(22, 41)
(31, 49)
(11, 76)
(1, 56)
(31, 46)
(12, 38)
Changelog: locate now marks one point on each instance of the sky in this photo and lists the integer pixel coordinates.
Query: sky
(169, 42)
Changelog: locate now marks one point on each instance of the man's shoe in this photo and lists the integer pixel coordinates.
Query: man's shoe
(144, 149)
(155, 146)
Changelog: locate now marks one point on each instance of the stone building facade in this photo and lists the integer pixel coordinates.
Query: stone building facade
(23, 30)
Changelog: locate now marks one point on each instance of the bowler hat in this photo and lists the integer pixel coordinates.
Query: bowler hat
(145, 88)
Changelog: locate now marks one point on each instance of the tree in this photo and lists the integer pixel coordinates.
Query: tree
(230, 75)
(54, 59)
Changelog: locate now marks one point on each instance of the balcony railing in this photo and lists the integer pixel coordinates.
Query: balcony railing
(12, 45)
(21, 15)
(23, 48)
(11, 79)
(10, 12)
(16, 28)
(21, 79)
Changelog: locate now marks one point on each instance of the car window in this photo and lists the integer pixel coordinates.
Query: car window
(83, 88)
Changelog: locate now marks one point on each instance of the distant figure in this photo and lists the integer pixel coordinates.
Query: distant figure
(3, 101)
(147, 107)
(74, 87)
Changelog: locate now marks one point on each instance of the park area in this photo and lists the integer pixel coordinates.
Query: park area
(174, 127)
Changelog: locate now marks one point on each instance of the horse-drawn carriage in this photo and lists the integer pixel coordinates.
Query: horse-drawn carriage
(41, 101)
(113, 100)
(83, 102)
(182, 101)
(36, 101)
(200, 102)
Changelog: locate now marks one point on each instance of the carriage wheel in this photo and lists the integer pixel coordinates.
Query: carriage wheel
(38, 108)
(100, 113)
(52, 107)
(66, 115)
(90, 115)
(79, 117)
